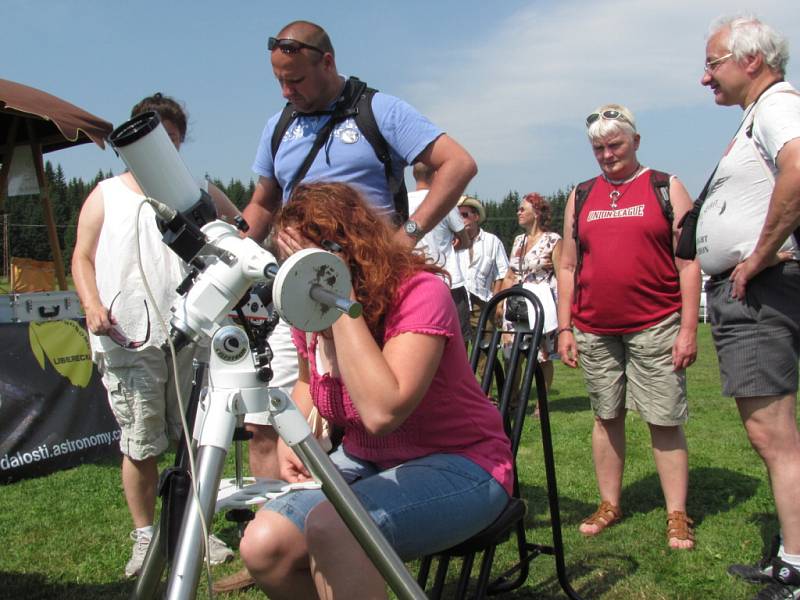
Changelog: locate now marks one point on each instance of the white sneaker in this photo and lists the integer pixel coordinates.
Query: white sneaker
(141, 543)
(218, 551)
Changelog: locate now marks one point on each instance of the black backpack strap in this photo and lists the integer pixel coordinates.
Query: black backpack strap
(368, 126)
(582, 191)
(288, 115)
(660, 182)
(356, 102)
(344, 109)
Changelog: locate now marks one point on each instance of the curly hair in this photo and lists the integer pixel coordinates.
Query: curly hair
(541, 207)
(336, 212)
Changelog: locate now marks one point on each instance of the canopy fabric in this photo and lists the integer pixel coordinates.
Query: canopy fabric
(31, 117)
(56, 123)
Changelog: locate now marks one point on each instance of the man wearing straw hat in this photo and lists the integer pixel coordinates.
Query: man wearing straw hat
(484, 262)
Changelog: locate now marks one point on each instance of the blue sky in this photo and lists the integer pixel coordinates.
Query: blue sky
(512, 80)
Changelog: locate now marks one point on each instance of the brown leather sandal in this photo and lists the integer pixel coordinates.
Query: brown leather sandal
(605, 516)
(679, 527)
(241, 580)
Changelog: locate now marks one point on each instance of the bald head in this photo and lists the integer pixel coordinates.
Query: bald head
(308, 33)
(307, 74)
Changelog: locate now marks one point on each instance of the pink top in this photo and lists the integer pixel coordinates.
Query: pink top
(454, 416)
(628, 280)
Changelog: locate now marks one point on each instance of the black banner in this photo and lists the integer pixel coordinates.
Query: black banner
(53, 408)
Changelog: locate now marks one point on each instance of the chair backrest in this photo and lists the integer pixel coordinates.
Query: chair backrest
(512, 384)
(509, 381)
(512, 378)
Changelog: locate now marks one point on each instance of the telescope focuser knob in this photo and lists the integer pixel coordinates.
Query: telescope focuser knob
(241, 224)
(265, 374)
(270, 272)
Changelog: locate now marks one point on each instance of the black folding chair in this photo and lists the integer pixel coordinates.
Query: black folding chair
(513, 384)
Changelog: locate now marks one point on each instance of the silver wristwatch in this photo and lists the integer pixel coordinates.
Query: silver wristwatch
(413, 229)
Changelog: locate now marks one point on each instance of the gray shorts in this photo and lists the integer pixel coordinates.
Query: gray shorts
(141, 392)
(635, 371)
(758, 339)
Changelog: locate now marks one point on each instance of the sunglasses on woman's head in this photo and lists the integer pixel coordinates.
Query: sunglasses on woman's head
(289, 46)
(118, 336)
(611, 114)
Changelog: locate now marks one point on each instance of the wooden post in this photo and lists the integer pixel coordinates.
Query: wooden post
(6, 249)
(8, 153)
(38, 164)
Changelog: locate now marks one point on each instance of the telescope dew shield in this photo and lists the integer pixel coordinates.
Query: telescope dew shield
(145, 148)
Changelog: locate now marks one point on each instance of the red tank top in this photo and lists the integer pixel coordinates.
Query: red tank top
(628, 280)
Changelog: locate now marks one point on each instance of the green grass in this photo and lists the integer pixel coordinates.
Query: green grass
(65, 536)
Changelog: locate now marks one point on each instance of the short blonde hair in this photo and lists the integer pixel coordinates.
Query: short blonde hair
(603, 126)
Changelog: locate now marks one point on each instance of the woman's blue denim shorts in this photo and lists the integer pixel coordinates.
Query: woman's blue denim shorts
(421, 506)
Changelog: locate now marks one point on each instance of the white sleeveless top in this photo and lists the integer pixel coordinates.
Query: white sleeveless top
(117, 270)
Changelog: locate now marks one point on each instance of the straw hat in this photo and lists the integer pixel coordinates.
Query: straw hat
(476, 204)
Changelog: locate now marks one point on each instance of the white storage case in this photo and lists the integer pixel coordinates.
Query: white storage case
(39, 306)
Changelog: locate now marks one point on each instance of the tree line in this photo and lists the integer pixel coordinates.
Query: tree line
(26, 234)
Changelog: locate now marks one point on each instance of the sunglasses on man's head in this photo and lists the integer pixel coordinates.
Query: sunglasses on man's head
(118, 336)
(611, 114)
(289, 46)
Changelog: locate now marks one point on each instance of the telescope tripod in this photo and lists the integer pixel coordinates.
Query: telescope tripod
(235, 389)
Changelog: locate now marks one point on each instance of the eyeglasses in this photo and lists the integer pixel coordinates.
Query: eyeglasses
(711, 65)
(611, 114)
(465, 213)
(289, 46)
(118, 336)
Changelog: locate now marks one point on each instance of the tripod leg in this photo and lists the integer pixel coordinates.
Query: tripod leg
(217, 433)
(238, 391)
(156, 559)
(152, 569)
(294, 430)
(357, 519)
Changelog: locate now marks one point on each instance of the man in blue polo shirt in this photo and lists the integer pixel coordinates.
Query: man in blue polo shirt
(304, 65)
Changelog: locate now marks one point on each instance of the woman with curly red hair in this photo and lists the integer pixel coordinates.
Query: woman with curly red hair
(423, 448)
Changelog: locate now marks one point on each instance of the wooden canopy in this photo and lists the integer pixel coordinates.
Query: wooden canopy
(31, 117)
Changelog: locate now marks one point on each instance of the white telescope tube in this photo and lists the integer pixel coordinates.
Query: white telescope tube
(145, 148)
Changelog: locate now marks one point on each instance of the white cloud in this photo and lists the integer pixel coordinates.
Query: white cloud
(548, 65)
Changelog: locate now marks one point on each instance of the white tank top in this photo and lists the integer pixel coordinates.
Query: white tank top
(117, 270)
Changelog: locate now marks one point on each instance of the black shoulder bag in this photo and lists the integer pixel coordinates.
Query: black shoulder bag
(687, 240)
(516, 307)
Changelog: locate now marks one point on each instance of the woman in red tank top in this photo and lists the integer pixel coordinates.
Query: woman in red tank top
(628, 312)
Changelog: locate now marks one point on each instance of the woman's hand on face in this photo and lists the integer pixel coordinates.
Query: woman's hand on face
(289, 240)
